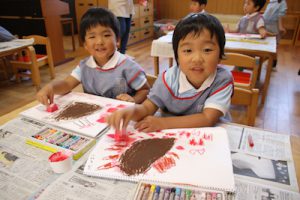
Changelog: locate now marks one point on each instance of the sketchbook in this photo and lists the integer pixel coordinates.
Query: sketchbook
(198, 157)
(78, 112)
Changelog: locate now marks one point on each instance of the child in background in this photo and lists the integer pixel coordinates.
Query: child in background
(106, 72)
(196, 6)
(195, 92)
(273, 14)
(253, 21)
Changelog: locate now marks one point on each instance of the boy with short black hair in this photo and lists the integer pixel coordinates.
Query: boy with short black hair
(197, 6)
(106, 72)
(193, 93)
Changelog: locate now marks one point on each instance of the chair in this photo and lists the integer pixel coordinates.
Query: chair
(245, 93)
(248, 76)
(3, 67)
(69, 21)
(29, 60)
(151, 79)
(249, 98)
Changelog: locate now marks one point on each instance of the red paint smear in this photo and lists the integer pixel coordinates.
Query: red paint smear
(193, 142)
(184, 133)
(112, 157)
(106, 166)
(111, 136)
(114, 148)
(207, 137)
(174, 154)
(151, 134)
(171, 134)
(180, 147)
(110, 110)
(164, 163)
(121, 106)
(102, 119)
(201, 142)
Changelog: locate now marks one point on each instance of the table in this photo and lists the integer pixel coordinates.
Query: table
(295, 141)
(264, 48)
(14, 46)
(8, 48)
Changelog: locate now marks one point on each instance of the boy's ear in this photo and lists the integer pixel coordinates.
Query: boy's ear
(118, 42)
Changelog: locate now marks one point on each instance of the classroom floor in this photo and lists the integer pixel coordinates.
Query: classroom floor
(281, 112)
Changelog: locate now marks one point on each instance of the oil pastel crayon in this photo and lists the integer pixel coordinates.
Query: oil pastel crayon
(161, 193)
(59, 137)
(78, 144)
(182, 194)
(49, 133)
(167, 193)
(202, 195)
(146, 192)
(172, 194)
(53, 137)
(219, 196)
(141, 191)
(156, 194)
(177, 194)
(208, 196)
(151, 192)
(188, 194)
(64, 138)
(193, 195)
(71, 141)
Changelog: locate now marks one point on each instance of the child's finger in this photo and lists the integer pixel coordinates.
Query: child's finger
(51, 98)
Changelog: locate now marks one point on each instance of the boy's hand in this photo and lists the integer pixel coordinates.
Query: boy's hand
(125, 97)
(150, 124)
(263, 32)
(118, 116)
(45, 95)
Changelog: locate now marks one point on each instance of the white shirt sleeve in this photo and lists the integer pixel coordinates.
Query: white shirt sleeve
(220, 100)
(260, 23)
(76, 73)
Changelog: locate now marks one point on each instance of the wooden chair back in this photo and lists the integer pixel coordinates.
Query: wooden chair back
(249, 98)
(246, 76)
(29, 60)
(151, 79)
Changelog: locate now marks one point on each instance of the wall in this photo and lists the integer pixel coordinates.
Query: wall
(166, 8)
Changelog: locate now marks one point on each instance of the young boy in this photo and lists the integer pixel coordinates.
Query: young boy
(195, 91)
(253, 21)
(197, 6)
(106, 72)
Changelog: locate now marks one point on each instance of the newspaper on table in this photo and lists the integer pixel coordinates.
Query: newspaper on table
(74, 185)
(24, 169)
(268, 162)
(265, 144)
(246, 190)
(6, 46)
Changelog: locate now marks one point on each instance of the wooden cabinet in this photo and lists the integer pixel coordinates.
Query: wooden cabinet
(291, 23)
(141, 23)
(81, 6)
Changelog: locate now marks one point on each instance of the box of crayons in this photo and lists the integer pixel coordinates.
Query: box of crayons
(158, 191)
(53, 140)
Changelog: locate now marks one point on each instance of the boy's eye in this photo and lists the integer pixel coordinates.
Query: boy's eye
(187, 50)
(107, 35)
(207, 50)
(91, 37)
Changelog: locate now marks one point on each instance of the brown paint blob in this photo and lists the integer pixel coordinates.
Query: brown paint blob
(77, 110)
(139, 157)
